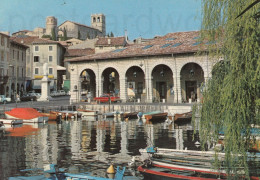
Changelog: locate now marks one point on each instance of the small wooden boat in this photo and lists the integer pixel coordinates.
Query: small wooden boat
(182, 118)
(11, 121)
(86, 112)
(130, 115)
(156, 117)
(169, 172)
(52, 116)
(28, 115)
(142, 115)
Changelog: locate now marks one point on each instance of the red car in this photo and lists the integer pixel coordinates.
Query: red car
(105, 98)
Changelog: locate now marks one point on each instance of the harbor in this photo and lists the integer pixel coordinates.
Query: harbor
(86, 144)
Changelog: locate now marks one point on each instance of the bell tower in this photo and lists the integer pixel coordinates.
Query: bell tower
(51, 23)
(98, 21)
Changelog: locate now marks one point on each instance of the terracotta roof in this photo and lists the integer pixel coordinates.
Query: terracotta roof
(172, 43)
(19, 44)
(79, 52)
(29, 40)
(25, 39)
(79, 25)
(21, 31)
(114, 41)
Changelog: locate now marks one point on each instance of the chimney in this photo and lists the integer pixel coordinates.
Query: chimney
(109, 41)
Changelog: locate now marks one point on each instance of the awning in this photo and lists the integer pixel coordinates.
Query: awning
(60, 68)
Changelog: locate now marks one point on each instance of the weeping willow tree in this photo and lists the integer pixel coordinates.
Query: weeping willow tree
(231, 98)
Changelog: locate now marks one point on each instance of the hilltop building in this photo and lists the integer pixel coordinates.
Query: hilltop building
(71, 29)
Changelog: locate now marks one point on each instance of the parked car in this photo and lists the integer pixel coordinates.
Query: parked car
(54, 93)
(106, 97)
(61, 93)
(4, 99)
(38, 95)
(28, 97)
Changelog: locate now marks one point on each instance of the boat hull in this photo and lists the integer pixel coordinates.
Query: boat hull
(11, 121)
(87, 112)
(33, 120)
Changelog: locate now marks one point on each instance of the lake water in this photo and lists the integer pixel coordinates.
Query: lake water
(86, 145)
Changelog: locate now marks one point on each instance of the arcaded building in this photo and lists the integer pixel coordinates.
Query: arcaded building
(165, 69)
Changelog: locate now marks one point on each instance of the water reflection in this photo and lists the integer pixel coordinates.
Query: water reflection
(84, 145)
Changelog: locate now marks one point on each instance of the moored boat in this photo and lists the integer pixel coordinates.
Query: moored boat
(11, 121)
(156, 117)
(182, 118)
(86, 112)
(28, 115)
(130, 115)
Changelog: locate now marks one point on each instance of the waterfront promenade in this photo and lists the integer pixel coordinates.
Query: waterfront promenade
(64, 103)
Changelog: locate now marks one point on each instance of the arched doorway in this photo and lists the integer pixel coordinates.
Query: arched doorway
(192, 76)
(135, 83)
(18, 89)
(88, 83)
(162, 84)
(110, 81)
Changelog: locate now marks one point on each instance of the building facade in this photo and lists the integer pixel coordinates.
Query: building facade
(52, 53)
(4, 62)
(42, 51)
(17, 70)
(166, 69)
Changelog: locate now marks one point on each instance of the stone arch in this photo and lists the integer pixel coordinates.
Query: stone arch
(88, 83)
(135, 78)
(160, 62)
(98, 19)
(191, 77)
(94, 19)
(110, 80)
(162, 83)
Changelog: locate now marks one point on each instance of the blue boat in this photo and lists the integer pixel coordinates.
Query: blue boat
(51, 172)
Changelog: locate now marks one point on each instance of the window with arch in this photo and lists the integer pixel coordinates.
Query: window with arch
(94, 19)
(98, 19)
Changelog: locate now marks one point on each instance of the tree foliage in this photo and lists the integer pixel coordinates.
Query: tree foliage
(111, 34)
(231, 99)
(53, 35)
(65, 37)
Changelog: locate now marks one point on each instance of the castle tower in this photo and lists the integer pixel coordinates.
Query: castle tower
(98, 21)
(51, 23)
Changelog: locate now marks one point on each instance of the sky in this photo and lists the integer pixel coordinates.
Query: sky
(139, 18)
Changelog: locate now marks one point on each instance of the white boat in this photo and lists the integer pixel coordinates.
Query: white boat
(29, 115)
(86, 112)
(11, 121)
